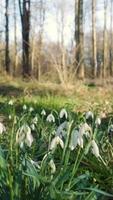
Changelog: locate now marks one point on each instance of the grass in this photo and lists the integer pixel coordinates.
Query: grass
(32, 164)
(27, 169)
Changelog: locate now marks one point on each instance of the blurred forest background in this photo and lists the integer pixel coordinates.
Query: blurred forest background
(57, 41)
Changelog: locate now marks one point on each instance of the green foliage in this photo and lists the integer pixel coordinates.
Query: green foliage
(37, 160)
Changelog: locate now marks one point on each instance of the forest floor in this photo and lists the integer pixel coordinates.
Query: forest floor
(81, 96)
(52, 143)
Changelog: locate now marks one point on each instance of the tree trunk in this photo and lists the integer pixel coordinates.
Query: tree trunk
(94, 45)
(111, 41)
(25, 21)
(15, 40)
(7, 58)
(105, 59)
(79, 38)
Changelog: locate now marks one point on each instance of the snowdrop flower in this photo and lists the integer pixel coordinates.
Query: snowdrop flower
(11, 103)
(56, 141)
(10, 117)
(98, 121)
(35, 120)
(33, 127)
(24, 107)
(2, 128)
(43, 112)
(24, 136)
(74, 139)
(80, 141)
(89, 114)
(85, 129)
(31, 109)
(52, 166)
(62, 129)
(95, 149)
(50, 118)
(77, 136)
(63, 113)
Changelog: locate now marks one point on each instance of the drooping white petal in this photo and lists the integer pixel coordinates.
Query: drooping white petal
(35, 120)
(31, 109)
(55, 141)
(74, 139)
(43, 112)
(10, 117)
(29, 139)
(89, 114)
(80, 141)
(50, 118)
(60, 141)
(11, 103)
(33, 127)
(24, 135)
(2, 128)
(63, 113)
(24, 107)
(84, 129)
(52, 165)
(62, 129)
(98, 121)
(95, 149)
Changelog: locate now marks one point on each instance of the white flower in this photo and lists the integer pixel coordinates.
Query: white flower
(33, 127)
(10, 117)
(56, 141)
(95, 149)
(2, 128)
(24, 107)
(11, 103)
(89, 114)
(52, 165)
(35, 120)
(74, 139)
(24, 136)
(62, 129)
(80, 141)
(98, 121)
(50, 118)
(85, 129)
(63, 113)
(31, 109)
(77, 136)
(43, 112)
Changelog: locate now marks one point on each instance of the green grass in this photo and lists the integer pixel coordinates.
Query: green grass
(58, 173)
(76, 174)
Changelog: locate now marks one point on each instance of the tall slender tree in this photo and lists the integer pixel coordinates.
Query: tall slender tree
(79, 38)
(94, 45)
(7, 58)
(111, 40)
(105, 56)
(24, 7)
(15, 38)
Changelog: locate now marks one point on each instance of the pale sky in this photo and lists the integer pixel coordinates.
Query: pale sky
(53, 12)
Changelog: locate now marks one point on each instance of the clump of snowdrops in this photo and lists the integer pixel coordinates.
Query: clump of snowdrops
(54, 155)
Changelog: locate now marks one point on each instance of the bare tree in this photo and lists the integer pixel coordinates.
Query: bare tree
(24, 7)
(111, 40)
(15, 38)
(105, 59)
(7, 58)
(94, 45)
(79, 38)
